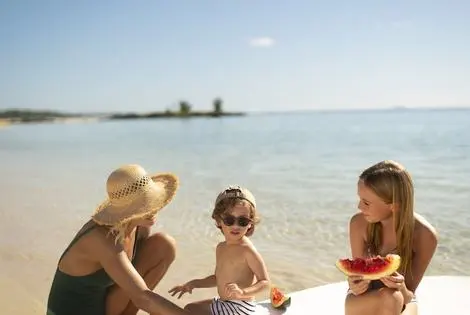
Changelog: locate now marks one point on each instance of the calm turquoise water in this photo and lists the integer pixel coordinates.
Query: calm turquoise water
(301, 167)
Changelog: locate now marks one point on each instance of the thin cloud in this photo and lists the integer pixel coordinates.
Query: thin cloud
(262, 42)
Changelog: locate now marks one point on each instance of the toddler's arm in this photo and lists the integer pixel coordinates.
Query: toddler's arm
(207, 282)
(257, 265)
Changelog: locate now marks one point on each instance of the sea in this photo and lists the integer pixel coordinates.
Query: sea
(302, 168)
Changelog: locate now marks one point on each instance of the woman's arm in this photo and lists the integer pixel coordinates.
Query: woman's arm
(115, 262)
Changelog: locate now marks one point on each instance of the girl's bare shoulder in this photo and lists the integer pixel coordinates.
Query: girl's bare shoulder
(423, 227)
(424, 231)
(358, 221)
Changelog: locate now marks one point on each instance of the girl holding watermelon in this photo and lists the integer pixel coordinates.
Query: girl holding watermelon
(388, 224)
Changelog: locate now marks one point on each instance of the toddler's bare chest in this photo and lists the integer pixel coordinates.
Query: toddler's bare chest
(231, 259)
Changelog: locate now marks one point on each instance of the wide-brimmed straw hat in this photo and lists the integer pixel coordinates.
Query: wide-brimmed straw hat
(132, 194)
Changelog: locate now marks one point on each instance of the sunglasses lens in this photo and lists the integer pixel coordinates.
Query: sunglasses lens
(229, 220)
(242, 221)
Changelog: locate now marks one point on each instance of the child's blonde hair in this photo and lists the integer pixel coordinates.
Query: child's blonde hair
(393, 184)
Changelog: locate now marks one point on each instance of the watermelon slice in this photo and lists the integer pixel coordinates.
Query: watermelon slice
(278, 299)
(371, 268)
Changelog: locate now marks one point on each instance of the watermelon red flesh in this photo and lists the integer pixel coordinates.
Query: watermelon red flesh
(376, 264)
(370, 268)
(276, 296)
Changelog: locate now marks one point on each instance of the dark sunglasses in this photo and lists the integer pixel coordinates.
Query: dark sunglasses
(230, 220)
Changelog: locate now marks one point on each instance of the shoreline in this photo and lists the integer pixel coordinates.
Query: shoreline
(4, 122)
(10, 117)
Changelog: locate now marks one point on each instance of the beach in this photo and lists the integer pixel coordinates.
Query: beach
(301, 167)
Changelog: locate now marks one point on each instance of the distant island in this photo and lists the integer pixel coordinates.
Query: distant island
(185, 110)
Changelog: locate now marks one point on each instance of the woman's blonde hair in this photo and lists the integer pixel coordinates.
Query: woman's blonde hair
(118, 231)
(393, 184)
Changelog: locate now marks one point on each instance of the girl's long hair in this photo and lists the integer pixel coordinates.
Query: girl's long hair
(393, 184)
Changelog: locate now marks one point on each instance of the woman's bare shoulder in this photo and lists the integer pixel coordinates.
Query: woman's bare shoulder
(90, 242)
(423, 227)
(100, 239)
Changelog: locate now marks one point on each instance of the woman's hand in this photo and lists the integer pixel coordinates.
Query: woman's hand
(182, 289)
(394, 281)
(357, 285)
(233, 291)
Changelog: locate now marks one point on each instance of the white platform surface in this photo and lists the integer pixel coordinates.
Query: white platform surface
(436, 295)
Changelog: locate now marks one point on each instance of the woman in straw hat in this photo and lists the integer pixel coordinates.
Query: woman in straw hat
(113, 263)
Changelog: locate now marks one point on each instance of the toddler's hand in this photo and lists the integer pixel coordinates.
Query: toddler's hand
(182, 289)
(357, 285)
(233, 291)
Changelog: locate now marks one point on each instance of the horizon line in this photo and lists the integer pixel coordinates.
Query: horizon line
(268, 111)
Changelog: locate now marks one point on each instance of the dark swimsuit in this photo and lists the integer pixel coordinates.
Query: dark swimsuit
(80, 295)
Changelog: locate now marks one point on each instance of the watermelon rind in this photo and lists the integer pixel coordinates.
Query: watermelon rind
(394, 259)
(283, 304)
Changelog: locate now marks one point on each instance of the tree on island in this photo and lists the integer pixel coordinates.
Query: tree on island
(217, 104)
(185, 108)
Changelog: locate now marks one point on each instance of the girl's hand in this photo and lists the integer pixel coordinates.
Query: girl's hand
(357, 285)
(233, 291)
(182, 289)
(394, 281)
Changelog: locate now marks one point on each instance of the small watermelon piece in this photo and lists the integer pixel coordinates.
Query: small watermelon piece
(371, 268)
(278, 299)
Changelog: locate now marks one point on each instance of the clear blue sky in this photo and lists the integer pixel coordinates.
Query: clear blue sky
(256, 54)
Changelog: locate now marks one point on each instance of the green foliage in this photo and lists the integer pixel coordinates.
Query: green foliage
(217, 104)
(185, 108)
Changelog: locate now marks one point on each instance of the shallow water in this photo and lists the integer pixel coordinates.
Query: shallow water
(302, 168)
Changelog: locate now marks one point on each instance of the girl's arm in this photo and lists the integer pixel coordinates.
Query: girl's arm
(257, 265)
(425, 244)
(357, 228)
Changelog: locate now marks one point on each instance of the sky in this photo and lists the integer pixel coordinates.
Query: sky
(257, 55)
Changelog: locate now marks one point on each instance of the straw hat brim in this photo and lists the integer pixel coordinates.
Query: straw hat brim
(159, 194)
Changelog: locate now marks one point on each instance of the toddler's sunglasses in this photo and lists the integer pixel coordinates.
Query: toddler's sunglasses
(230, 220)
